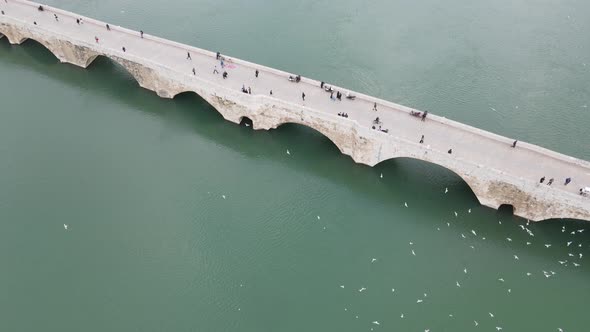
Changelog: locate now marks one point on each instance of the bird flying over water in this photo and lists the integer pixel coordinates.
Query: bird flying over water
(406, 204)
(289, 153)
(65, 227)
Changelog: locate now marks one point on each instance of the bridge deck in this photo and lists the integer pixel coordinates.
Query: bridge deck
(526, 161)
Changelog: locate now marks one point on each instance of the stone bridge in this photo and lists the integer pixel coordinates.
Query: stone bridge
(496, 172)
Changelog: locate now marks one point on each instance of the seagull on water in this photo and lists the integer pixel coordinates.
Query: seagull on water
(413, 253)
(491, 314)
(509, 239)
(547, 245)
(223, 196)
(418, 301)
(289, 153)
(458, 284)
(569, 243)
(373, 260)
(501, 279)
(318, 217)
(469, 211)
(406, 204)
(515, 257)
(446, 190)
(576, 264)
(376, 322)
(341, 286)
(473, 232)
(382, 175)
(65, 227)
(402, 315)
(498, 328)
(362, 289)
(476, 323)
(456, 214)
(465, 270)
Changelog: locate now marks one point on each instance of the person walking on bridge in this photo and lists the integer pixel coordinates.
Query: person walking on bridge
(256, 73)
(422, 139)
(542, 180)
(108, 27)
(550, 182)
(141, 33)
(188, 55)
(567, 181)
(514, 144)
(375, 107)
(194, 71)
(56, 19)
(303, 96)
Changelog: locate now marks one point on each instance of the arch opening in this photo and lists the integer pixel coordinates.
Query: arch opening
(506, 211)
(304, 131)
(108, 67)
(246, 122)
(425, 179)
(38, 51)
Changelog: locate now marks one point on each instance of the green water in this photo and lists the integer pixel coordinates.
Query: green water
(152, 245)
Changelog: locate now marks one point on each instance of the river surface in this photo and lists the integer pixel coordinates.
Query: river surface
(181, 221)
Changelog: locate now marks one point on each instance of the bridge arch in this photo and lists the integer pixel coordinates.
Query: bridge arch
(470, 181)
(332, 137)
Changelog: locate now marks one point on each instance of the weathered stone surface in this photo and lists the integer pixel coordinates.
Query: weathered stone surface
(495, 172)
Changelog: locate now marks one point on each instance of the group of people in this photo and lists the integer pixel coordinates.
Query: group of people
(550, 182)
(342, 114)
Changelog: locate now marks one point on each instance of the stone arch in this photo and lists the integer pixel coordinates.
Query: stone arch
(332, 137)
(149, 78)
(469, 180)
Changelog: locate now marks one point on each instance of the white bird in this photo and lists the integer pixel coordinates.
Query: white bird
(559, 329)
(393, 290)
(448, 224)
(376, 322)
(570, 254)
(247, 124)
(465, 270)
(501, 279)
(498, 328)
(499, 222)
(406, 204)
(491, 314)
(382, 175)
(402, 315)
(569, 242)
(65, 227)
(446, 190)
(341, 286)
(362, 289)
(289, 153)
(463, 235)
(413, 253)
(515, 257)
(509, 239)
(469, 211)
(473, 232)
(580, 230)
(418, 301)
(476, 323)
(547, 245)
(528, 243)
(576, 264)
(411, 243)
(458, 284)
(223, 196)
(425, 295)
(509, 290)
(456, 214)
(373, 260)
(521, 226)
(562, 262)
(318, 217)
(580, 255)
(528, 274)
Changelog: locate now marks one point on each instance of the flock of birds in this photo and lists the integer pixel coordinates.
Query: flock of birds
(573, 258)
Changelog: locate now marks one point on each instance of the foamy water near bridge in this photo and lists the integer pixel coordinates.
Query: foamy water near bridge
(497, 173)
